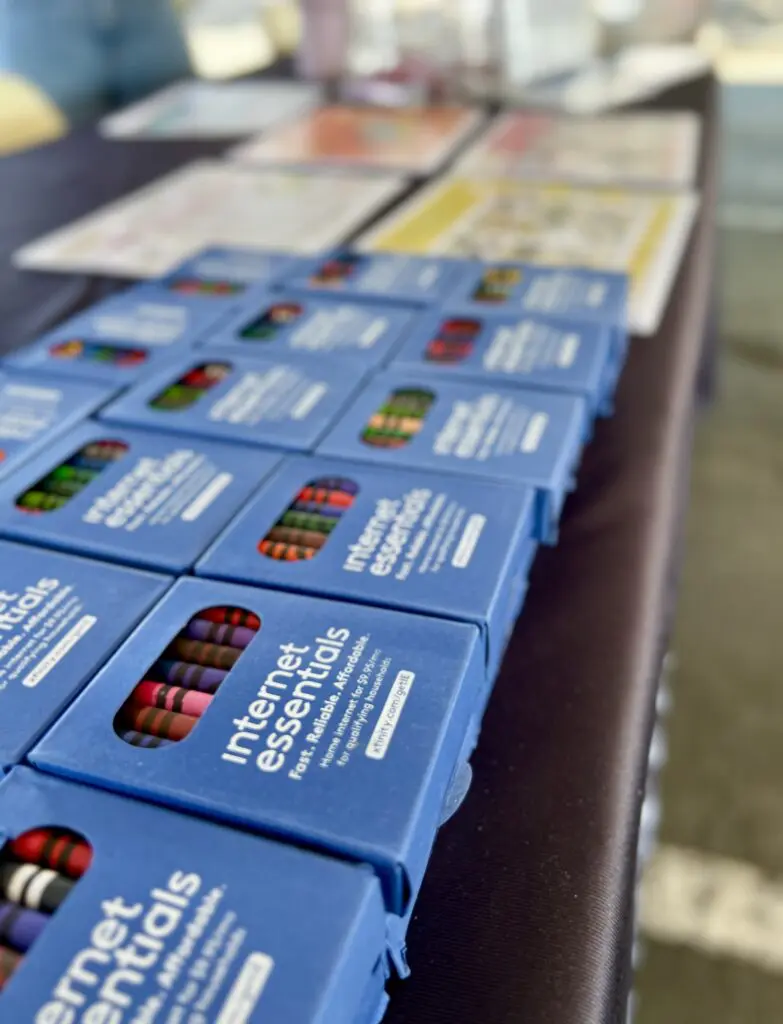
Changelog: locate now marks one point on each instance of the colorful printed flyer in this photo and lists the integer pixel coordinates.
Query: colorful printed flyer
(655, 149)
(202, 110)
(642, 234)
(416, 140)
(149, 232)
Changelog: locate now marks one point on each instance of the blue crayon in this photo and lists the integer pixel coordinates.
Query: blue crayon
(195, 677)
(336, 483)
(85, 462)
(330, 511)
(143, 739)
(20, 927)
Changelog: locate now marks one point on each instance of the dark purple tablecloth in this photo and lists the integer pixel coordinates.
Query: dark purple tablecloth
(526, 912)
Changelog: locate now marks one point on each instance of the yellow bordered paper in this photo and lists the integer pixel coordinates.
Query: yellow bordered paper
(641, 233)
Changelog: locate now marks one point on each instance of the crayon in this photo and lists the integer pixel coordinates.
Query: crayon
(322, 496)
(304, 538)
(54, 848)
(65, 488)
(441, 350)
(34, 887)
(206, 376)
(143, 739)
(171, 698)
(309, 521)
(210, 655)
(81, 464)
(397, 424)
(194, 677)
(385, 439)
(232, 617)
(165, 725)
(9, 961)
(106, 451)
(19, 927)
(192, 286)
(323, 511)
(70, 472)
(39, 502)
(178, 396)
(285, 552)
(337, 483)
(231, 636)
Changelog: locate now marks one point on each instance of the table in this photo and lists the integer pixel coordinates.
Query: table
(526, 914)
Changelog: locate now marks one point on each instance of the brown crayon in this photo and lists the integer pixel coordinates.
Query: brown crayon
(197, 652)
(167, 725)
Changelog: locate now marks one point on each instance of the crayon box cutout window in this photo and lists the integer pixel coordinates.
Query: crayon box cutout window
(177, 690)
(38, 871)
(269, 323)
(190, 387)
(306, 525)
(454, 341)
(399, 419)
(76, 350)
(336, 271)
(497, 284)
(213, 288)
(56, 489)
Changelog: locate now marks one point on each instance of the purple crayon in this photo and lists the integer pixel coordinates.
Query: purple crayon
(195, 677)
(143, 739)
(20, 927)
(330, 511)
(216, 633)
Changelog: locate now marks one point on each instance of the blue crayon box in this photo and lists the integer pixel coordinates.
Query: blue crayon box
(579, 359)
(511, 435)
(256, 401)
(147, 500)
(419, 542)
(70, 355)
(337, 727)
(141, 316)
(378, 277)
(33, 411)
(570, 293)
(222, 274)
(285, 324)
(60, 619)
(120, 911)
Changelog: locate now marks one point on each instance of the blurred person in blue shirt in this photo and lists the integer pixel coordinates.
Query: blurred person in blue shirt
(90, 56)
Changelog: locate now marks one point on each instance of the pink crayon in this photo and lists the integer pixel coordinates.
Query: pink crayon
(172, 698)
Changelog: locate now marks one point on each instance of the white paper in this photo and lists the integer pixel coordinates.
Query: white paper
(197, 109)
(647, 149)
(212, 203)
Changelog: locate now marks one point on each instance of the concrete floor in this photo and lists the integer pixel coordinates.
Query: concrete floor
(722, 958)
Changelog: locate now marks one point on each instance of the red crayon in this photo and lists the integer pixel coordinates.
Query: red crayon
(322, 496)
(285, 552)
(172, 698)
(166, 724)
(53, 848)
(231, 617)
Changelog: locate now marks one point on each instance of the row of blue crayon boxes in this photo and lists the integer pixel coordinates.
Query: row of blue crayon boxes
(320, 674)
